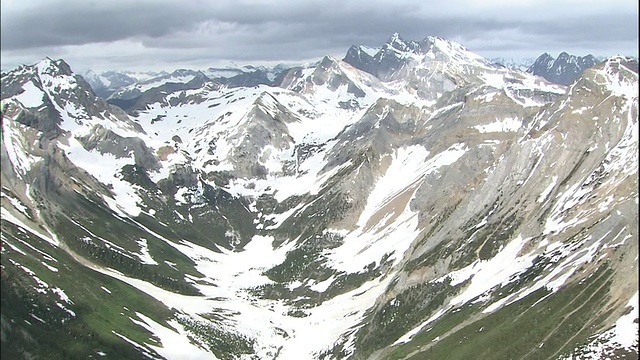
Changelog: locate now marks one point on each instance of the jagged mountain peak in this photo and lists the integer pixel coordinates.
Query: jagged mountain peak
(546, 55)
(106, 83)
(398, 58)
(453, 50)
(44, 70)
(397, 43)
(562, 70)
(329, 61)
(430, 44)
(395, 37)
(53, 67)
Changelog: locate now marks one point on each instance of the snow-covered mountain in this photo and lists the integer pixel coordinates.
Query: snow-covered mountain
(139, 94)
(410, 201)
(563, 70)
(247, 75)
(106, 83)
(521, 64)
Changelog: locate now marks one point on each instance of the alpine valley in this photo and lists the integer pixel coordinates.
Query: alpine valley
(414, 201)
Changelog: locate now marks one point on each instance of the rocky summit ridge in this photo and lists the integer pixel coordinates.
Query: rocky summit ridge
(407, 202)
(563, 70)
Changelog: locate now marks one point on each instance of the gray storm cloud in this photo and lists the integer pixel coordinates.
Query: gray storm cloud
(249, 31)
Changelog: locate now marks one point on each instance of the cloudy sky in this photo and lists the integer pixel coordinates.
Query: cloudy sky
(168, 34)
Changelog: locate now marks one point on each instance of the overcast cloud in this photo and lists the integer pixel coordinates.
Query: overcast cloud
(154, 35)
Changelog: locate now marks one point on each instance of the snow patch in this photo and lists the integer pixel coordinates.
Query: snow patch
(31, 97)
(504, 125)
(175, 344)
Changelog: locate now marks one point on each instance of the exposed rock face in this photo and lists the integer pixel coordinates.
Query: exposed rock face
(564, 70)
(413, 201)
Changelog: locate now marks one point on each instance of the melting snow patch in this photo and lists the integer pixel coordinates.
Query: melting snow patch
(31, 97)
(415, 331)
(144, 255)
(624, 334)
(545, 193)
(626, 329)
(61, 294)
(135, 344)
(309, 181)
(408, 166)
(486, 274)
(323, 285)
(387, 226)
(51, 268)
(175, 344)
(13, 247)
(16, 204)
(504, 125)
(6, 215)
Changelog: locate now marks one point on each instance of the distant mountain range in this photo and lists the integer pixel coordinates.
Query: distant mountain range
(564, 70)
(116, 84)
(521, 64)
(107, 83)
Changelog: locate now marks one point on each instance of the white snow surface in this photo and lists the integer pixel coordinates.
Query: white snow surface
(6, 215)
(231, 274)
(545, 193)
(416, 330)
(144, 255)
(626, 330)
(500, 125)
(31, 97)
(618, 79)
(174, 344)
(155, 82)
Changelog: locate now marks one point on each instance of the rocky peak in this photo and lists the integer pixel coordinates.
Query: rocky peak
(396, 42)
(359, 58)
(543, 61)
(563, 56)
(328, 62)
(587, 61)
(564, 70)
(52, 67)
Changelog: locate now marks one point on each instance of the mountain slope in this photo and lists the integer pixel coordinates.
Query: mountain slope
(420, 202)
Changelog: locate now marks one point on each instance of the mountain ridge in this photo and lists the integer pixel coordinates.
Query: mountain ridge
(562, 70)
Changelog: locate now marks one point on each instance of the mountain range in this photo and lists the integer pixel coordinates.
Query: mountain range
(412, 201)
(120, 84)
